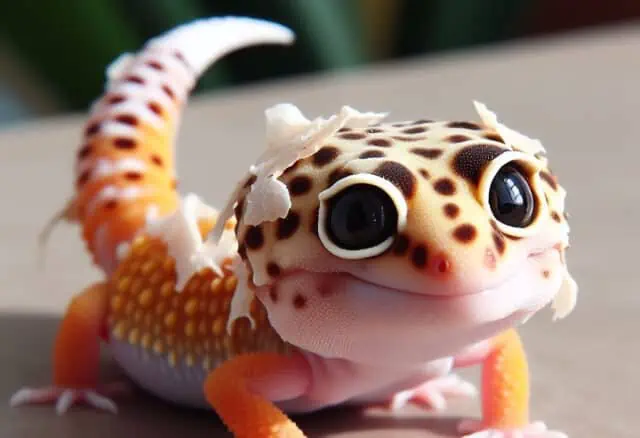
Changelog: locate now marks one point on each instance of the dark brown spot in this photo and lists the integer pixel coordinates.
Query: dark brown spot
(430, 153)
(380, 142)
(465, 233)
(155, 107)
(546, 273)
(127, 119)
(470, 161)
(400, 124)
(288, 226)
(493, 136)
(400, 245)
(352, 136)
(344, 129)
(300, 185)
(549, 179)
(124, 143)
(419, 256)
(374, 131)
(133, 176)
(407, 139)
(498, 241)
(415, 130)
(157, 160)
(299, 301)
(399, 176)
(115, 99)
(134, 79)
(451, 210)
(424, 173)
(555, 216)
(273, 293)
(372, 154)
(254, 239)
(84, 152)
(445, 186)
(155, 65)
(92, 129)
(83, 178)
(273, 269)
(464, 125)
(325, 156)
(249, 182)
(111, 204)
(457, 138)
(422, 121)
(337, 174)
(168, 91)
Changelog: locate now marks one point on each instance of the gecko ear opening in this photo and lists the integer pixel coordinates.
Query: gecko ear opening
(360, 216)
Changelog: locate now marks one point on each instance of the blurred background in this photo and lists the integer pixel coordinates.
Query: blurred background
(53, 54)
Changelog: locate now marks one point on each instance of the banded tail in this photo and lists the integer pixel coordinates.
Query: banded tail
(125, 171)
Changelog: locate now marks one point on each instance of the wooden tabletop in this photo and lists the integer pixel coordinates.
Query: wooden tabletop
(580, 94)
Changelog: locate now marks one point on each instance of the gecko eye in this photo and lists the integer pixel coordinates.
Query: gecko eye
(511, 199)
(359, 216)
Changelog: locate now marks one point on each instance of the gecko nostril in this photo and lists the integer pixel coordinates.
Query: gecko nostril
(441, 264)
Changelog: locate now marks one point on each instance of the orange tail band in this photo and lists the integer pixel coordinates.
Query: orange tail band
(125, 170)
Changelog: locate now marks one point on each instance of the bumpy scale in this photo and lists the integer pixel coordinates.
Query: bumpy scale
(359, 261)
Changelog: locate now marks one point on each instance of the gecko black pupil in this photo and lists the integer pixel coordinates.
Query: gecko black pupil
(511, 199)
(361, 216)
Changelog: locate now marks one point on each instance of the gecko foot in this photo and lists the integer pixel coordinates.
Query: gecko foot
(476, 429)
(434, 393)
(64, 398)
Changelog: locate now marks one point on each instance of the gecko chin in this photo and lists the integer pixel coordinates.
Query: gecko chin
(338, 315)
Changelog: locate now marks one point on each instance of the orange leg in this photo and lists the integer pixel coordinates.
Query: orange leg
(76, 356)
(505, 393)
(242, 389)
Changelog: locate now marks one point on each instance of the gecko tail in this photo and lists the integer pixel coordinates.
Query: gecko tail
(125, 166)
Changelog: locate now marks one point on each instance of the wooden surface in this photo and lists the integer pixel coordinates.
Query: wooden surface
(579, 94)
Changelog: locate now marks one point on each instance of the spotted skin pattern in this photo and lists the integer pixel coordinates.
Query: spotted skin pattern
(386, 329)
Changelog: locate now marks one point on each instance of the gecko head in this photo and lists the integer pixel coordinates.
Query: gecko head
(407, 241)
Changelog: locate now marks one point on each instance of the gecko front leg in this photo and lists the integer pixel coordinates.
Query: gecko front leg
(76, 358)
(505, 393)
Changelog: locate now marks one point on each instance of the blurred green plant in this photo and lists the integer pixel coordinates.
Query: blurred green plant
(69, 44)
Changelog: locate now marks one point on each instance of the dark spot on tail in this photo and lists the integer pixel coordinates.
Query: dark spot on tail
(133, 176)
(135, 79)
(124, 143)
(115, 99)
(415, 130)
(92, 129)
(127, 119)
(84, 152)
(157, 160)
(372, 154)
(155, 65)
(168, 91)
(155, 108)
